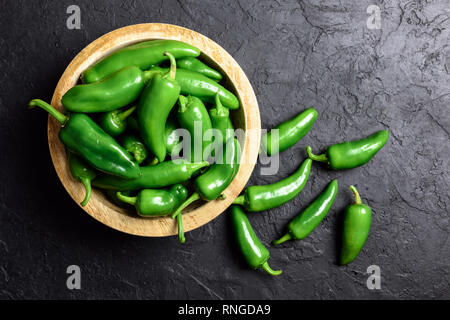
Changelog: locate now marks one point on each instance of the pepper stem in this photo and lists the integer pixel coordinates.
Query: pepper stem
(284, 238)
(221, 110)
(87, 185)
(239, 200)
(270, 271)
(150, 73)
(182, 101)
(180, 229)
(320, 158)
(125, 114)
(62, 119)
(356, 194)
(173, 65)
(194, 197)
(126, 199)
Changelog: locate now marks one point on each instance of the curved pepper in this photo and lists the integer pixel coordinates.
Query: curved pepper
(260, 198)
(115, 91)
(220, 120)
(142, 55)
(134, 146)
(290, 132)
(156, 202)
(81, 135)
(251, 247)
(357, 220)
(196, 65)
(115, 122)
(153, 176)
(348, 155)
(193, 116)
(82, 172)
(155, 104)
(309, 219)
(195, 84)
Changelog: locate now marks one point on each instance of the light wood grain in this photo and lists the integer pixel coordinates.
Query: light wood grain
(247, 118)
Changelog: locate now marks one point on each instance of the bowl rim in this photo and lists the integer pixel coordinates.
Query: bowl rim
(106, 212)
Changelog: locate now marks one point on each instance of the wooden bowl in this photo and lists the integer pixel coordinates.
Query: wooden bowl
(247, 118)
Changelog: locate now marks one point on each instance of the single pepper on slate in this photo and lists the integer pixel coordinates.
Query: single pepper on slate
(82, 172)
(220, 120)
(251, 247)
(81, 135)
(115, 122)
(309, 219)
(133, 144)
(195, 84)
(289, 132)
(156, 202)
(260, 198)
(142, 55)
(357, 220)
(158, 98)
(348, 155)
(115, 91)
(193, 64)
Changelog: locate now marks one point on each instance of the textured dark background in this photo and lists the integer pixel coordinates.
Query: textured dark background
(296, 54)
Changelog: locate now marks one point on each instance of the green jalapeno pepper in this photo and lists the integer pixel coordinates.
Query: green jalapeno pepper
(142, 55)
(193, 64)
(309, 219)
(195, 84)
(172, 137)
(156, 202)
(348, 155)
(220, 120)
(82, 172)
(115, 122)
(153, 176)
(357, 220)
(133, 144)
(251, 247)
(289, 132)
(260, 198)
(155, 104)
(115, 91)
(193, 116)
(81, 135)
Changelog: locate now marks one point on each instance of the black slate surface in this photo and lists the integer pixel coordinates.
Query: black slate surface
(296, 54)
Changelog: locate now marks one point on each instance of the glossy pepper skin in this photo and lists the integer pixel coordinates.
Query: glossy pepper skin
(289, 132)
(115, 122)
(81, 135)
(82, 172)
(193, 116)
(220, 120)
(133, 144)
(255, 253)
(195, 84)
(260, 198)
(155, 104)
(153, 176)
(193, 64)
(348, 155)
(115, 91)
(357, 221)
(302, 225)
(156, 202)
(142, 55)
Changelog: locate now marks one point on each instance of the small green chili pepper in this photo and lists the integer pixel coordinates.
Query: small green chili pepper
(153, 176)
(142, 55)
(81, 135)
(348, 155)
(193, 116)
(156, 202)
(195, 84)
(309, 219)
(133, 144)
(220, 120)
(290, 132)
(356, 229)
(155, 104)
(82, 172)
(260, 198)
(251, 247)
(115, 122)
(115, 91)
(196, 65)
